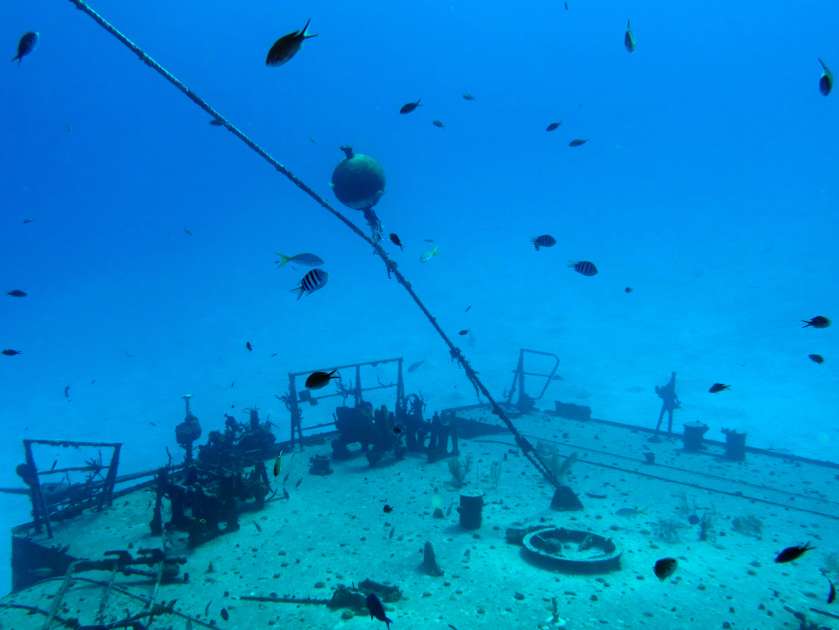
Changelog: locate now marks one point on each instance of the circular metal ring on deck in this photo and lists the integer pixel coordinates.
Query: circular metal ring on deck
(571, 550)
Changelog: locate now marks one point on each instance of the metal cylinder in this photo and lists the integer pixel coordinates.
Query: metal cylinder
(470, 509)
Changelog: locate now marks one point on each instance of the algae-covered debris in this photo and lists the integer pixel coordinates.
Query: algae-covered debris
(459, 467)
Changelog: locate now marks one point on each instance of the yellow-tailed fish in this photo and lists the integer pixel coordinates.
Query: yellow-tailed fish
(431, 253)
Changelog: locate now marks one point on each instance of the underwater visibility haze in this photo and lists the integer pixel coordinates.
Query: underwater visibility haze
(641, 191)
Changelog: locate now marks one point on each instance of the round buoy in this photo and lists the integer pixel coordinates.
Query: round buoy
(358, 181)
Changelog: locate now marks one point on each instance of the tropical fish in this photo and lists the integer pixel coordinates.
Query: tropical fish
(311, 282)
(308, 260)
(543, 240)
(407, 108)
(793, 553)
(628, 38)
(26, 45)
(394, 238)
(831, 593)
(287, 46)
(438, 123)
(664, 568)
(819, 321)
(826, 80)
(716, 388)
(816, 358)
(584, 267)
(431, 253)
(377, 609)
(317, 380)
(16, 293)
(553, 126)
(577, 142)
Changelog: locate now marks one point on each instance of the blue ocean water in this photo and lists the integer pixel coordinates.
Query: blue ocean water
(706, 185)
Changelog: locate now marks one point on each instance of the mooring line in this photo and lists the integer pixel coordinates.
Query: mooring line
(455, 352)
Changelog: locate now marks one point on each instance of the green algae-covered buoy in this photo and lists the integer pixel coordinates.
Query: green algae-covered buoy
(358, 181)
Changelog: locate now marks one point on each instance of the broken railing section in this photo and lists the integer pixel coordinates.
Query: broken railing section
(64, 500)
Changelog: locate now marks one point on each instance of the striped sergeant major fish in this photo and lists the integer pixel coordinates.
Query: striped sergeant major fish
(311, 282)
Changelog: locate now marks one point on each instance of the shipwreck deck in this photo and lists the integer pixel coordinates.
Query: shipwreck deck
(333, 530)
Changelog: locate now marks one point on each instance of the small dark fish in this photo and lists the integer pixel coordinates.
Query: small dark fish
(258, 528)
(793, 553)
(584, 267)
(628, 38)
(25, 221)
(311, 282)
(273, 354)
(826, 80)
(394, 238)
(308, 260)
(463, 332)
(387, 509)
(392, 530)
(819, 321)
(187, 231)
(216, 122)
(407, 108)
(831, 594)
(468, 97)
(25, 46)
(10, 353)
(628, 289)
(566, 6)
(816, 358)
(54, 464)
(553, 126)
(397, 429)
(693, 519)
(377, 609)
(287, 46)
(543, 240)
(17, 293)
(224, 614)
(299, 481)
(287, 475)
(277, 463)
(716, 388)
(577, 142)
(438, 123)
(317, 380)
(415, 366)
(664, 568)
(67, 392)
(249, 346)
